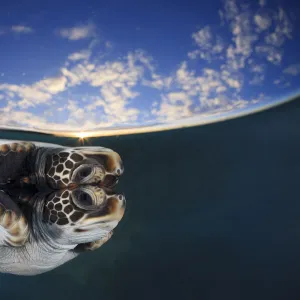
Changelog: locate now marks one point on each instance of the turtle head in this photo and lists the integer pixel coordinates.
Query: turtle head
(70, 167)
(82, 214)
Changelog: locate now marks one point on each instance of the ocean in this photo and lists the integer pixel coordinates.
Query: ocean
(213, 212)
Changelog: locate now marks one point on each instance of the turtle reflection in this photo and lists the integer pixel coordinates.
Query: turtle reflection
(41, 231)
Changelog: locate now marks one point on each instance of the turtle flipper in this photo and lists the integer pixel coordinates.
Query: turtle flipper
(13, 224)
(13, 161)
(93, 245)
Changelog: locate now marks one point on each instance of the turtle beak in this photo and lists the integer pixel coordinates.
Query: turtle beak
(113, 213)
(109, 159)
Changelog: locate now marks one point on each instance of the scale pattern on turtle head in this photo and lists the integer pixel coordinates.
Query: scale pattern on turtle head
(60, 210)
(60, 165)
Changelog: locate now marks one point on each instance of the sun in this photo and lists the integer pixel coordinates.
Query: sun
(82, 137)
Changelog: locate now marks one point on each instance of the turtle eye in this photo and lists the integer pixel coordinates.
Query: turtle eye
(88, 199)
(85, 199)
(84, 172)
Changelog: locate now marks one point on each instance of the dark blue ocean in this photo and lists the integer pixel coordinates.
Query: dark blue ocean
(213, 212)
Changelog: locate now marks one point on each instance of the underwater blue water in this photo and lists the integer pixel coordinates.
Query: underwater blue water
(213, 212)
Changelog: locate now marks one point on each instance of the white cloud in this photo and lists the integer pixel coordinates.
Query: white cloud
(81, 55)
(283, 30)
(27, 95)
(220, 87)
(277, 81)
(257, 79)
(52, 85)
(78, 32)
(208, 89)
(203, 37)
(292, 70)
(118, 74)
(231, 10)
(78, 74)
(272, 54)
(209, 46)
(256, 68)
(158, 82)
(263, 22)
(115, 81)
(173, 106)
(22, 119)
(21, 29)
(76, 112)
(9, 107)
(31, 95)
(281, 82)
(244, 38)
(233, 83)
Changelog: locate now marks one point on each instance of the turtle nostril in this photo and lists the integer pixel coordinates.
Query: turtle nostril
(110, 181)
(123, 202)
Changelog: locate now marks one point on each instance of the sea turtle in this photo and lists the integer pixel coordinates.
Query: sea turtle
(57, 166)
(58, 225)
(82, 173)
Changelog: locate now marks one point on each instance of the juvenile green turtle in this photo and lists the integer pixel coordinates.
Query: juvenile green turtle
(58, 225)
(52, 167)
(57, 166)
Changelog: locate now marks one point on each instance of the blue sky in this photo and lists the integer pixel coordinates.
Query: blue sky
(90, 66)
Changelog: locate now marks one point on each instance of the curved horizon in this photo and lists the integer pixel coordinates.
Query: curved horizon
(188, 122)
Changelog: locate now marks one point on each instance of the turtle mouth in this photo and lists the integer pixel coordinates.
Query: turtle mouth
(102, 212)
